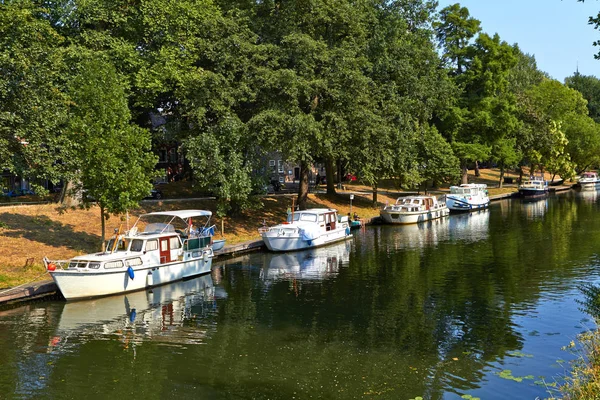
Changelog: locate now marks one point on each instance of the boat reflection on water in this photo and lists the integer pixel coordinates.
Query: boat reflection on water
(535, 207)
(157, 314)
(589, 196)
(469, 227)
(313, 264)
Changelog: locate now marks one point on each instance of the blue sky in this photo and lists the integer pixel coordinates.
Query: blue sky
(555, 31)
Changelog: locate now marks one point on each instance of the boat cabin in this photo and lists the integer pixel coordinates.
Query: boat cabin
(326, 218)
(468, 189)
(592, 176)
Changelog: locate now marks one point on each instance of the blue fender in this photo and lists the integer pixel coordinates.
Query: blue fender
(130, 273)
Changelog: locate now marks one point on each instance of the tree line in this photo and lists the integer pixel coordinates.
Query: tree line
(388, 89)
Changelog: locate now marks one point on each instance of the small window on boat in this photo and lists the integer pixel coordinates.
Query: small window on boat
(137, 245)
(175, 243)
(308, 217)
(94, 265)
(164, 245)
(133, 262)
(321, 218)
(151, 245)
(75, 264)
(113, 264)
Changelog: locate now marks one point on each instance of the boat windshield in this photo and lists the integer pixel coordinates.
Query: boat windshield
(121, 245)
(305, 217)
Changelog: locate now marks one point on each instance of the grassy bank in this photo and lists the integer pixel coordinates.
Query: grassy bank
(583, 381)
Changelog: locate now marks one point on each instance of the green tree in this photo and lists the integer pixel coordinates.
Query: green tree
(454, 32)
(114, 165)
(33, 104)
(589, 87)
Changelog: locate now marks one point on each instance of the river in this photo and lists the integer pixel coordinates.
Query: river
(478, 305)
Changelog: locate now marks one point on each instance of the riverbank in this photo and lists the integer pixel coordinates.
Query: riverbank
(31, 232)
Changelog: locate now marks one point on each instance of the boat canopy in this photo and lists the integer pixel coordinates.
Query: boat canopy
(183, 214)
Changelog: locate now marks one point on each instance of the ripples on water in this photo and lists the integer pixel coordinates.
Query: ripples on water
(476, 304)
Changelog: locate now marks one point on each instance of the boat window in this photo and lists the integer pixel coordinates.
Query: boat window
(151, 245)
(113, 264)
(137, 245)
(305, 217)
(133, 262)
(321, 218)
(175, 243)
(164, 245)
(416, 201)
(94, 265)
(76, 264)
(121, 245)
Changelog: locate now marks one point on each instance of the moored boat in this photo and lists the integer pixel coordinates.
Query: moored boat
(468, 197)
(148, 254)
(306, 229)
(589, 181)
(535, 186)
(414, 209)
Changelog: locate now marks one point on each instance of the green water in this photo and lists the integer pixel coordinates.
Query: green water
(474, 305)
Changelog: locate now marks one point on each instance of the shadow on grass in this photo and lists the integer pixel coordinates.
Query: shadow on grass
(44, 230)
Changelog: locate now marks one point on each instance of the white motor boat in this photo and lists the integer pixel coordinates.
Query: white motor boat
(414, 209)
(535, 186)
(306, 229)
(148, 254)
(589, 181)
(468, 197)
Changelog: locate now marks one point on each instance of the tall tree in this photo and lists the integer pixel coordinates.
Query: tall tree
(33, 103)
(114, 165)
(589, 87)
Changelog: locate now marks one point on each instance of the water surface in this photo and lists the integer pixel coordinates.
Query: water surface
(476, 305)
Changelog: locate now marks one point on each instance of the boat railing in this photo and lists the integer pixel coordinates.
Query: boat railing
(58, 264)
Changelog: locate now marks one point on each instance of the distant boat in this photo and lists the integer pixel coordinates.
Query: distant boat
(468, 197)
(306, 229)
(589, 181)
(535, 186)
(414, 209)
(149, 254)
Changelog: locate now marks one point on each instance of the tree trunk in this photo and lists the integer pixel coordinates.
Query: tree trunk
(477, 173)
(520, 175)
(303, 187)
(330, 176)
(553, 176)
(103, 228)
(501, 175)
(66, 196)
(465, 174)
(375, 194)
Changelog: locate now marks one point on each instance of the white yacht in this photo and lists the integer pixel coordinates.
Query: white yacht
(148, 254)
(589, 181)
(305, 229)
(413, 209)
(535, 186)
(468, 197)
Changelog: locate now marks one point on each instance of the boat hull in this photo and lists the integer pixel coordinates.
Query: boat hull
(295, 242)
(532, 192)
(462, 205)
(79, 284)
(589, 185)
(403, 218)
